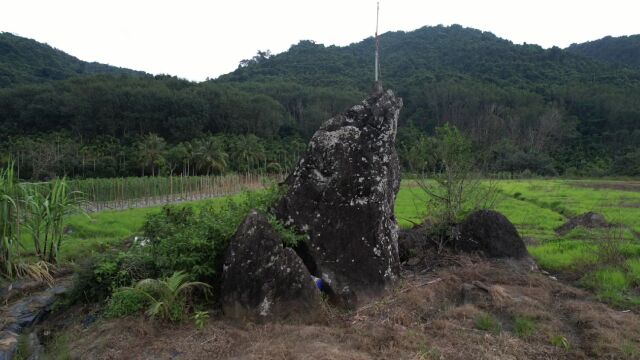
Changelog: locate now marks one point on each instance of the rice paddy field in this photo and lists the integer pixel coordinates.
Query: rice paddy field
(536, 207)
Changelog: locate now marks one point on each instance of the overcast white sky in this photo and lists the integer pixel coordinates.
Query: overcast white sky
(199, 39)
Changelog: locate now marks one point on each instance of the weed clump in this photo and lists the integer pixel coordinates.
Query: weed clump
(126, 303)
(560, 341)
(524, 327)
(486, 322)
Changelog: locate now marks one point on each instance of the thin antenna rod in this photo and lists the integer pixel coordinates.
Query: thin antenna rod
(377, 64)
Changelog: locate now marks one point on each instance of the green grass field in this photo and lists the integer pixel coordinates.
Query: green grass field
(536, 207)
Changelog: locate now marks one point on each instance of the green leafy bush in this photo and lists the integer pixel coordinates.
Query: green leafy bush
(183, 239)
(201, 318)
(97, 277)
(126, 303)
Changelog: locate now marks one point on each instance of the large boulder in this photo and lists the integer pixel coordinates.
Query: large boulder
(262, 279)
(491, 233)
(342, 195)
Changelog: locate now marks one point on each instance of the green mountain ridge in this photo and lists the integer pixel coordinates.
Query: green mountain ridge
(623, 50)
(24, 60)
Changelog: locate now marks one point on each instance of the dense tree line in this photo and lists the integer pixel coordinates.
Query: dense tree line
(50, 155)
(525, 109)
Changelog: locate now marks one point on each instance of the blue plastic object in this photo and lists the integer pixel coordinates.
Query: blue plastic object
(319, 282)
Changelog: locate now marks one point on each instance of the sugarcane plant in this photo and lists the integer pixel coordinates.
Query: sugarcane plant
(46, 211)
(9, 223)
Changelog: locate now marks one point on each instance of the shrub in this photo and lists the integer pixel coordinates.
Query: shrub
(185, 240)
(456, 187)
(201, 318)
(98, 276)
(126, 303)
(486, 322)
(610, 245)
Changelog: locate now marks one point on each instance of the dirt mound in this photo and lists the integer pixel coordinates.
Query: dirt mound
(590, 220)
(433, 315)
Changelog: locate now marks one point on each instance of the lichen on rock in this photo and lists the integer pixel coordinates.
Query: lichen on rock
(261, 278)
(342, 195)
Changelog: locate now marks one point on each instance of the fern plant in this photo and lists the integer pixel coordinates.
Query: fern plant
(167, 297)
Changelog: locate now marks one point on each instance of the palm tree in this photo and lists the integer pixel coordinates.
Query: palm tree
(151, 152)
(248, 152)
(210, 156)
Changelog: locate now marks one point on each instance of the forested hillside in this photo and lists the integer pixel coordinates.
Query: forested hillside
(624, 50)
(527, 109)
(24, 60)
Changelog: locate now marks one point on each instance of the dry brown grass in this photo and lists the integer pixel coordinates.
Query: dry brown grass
(426, 317)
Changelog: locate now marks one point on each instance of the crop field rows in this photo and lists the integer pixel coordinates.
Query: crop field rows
(136, 192)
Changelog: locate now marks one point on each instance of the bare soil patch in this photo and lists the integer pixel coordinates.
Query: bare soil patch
(432, 314)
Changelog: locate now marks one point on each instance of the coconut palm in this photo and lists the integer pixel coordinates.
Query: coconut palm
(151, 153)
(210, 156)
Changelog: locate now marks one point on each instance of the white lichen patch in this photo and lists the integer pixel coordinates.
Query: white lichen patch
(265, 306)
(377, 251)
